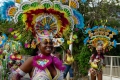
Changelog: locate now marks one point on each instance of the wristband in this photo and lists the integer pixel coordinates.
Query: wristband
(20, 72)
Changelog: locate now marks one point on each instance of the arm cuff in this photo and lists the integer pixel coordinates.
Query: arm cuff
(20, 72)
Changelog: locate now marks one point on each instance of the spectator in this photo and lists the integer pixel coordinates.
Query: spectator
(68, 61)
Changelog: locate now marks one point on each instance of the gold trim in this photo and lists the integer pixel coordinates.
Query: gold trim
(48, 73)
(58, 73)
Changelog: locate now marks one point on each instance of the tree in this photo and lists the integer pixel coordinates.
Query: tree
(100, 12)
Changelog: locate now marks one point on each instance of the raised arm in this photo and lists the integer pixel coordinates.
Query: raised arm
(65, 58)
(26, 67)
(91, 58)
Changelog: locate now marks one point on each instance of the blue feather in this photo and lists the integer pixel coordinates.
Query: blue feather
(87, 30)
(95, 27)
(5, 37)
(1, 43)
(115, 43)
(83, 1)
(115, 31)
(85, 40)
(101, 27)
(80, 19)
(109, 28)
(3, 40)
(4, 9)
(112, 30)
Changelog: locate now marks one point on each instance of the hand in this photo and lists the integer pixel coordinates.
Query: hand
(104, 65)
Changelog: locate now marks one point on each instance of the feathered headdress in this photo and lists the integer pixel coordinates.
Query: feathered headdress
(46, 18)
(8, 9)
(3, 39)
(101, 35)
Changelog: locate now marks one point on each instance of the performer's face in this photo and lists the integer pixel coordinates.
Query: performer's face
(99, 50)
(46, 46)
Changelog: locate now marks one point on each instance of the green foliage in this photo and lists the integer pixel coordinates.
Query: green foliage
(83, 59)
(101, 13)
(81, 52)
(113, 22)
(26, 51)
(20, 27)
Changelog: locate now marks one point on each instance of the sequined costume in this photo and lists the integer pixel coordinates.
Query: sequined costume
(39, 74)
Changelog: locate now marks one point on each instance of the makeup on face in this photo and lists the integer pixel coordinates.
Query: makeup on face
(99, 49)
(46, 46)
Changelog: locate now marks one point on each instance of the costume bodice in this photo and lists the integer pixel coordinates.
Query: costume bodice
(41, 62)
(96, 62)
(40, 74)
(97, 57)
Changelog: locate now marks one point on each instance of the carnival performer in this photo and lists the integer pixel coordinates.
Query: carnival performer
(45, 20)
(96, 61)
(44, 66)
(68, 61)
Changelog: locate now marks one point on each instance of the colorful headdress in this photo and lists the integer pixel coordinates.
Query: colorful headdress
(46, 18)
(101, 35)
(8, 10)
(12, 46)
(18, 1)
